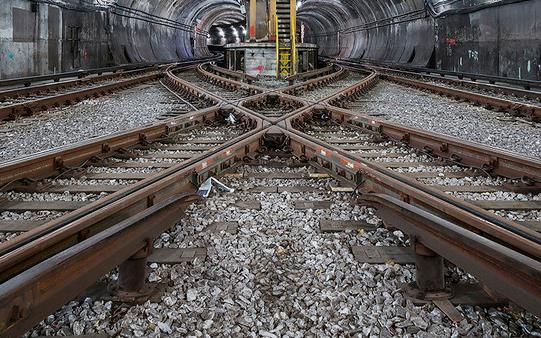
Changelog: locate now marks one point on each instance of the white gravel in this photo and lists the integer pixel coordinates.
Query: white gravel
(48, 196)
(27, 215)
(463, 120)
(425, 168)
(323, 92)
(496, 196)
(473, 181)
(280, 277)
(86, 120)
(84, 181)
(520, 215)
(100, 170)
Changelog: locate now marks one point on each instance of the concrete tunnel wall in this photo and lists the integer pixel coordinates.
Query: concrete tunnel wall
(489, 37)
(500, 40)
(37, 39)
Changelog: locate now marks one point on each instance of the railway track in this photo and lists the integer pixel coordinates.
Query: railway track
(499, 97)
(18, 102)
(319, 92)
(195, 77)
(474, 206)
(511, 196)
(75, 187)
(24, 102)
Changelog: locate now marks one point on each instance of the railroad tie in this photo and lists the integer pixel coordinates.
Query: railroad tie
(330, 225)
(383, 254)
(177, 256)
(317, 205)
(41, 205)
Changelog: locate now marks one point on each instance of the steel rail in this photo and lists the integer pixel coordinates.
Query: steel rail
(527, 84)
(24, 91)
(27, 81)
(311, 74)
(227, 83)
(51, 236)
(308, 85)
(381, 179)
(503, 270)
(23, 306)
(231, 73)
(45, 287)
(490, 159)
(528, 110)
(510, 260)
(33, 105)
(461, 82)
(29, 107)
(376, 181)
(54, 161)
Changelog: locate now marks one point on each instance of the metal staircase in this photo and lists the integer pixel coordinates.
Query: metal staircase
(286, 51)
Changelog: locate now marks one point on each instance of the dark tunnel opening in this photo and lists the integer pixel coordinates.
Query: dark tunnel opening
(477, 37)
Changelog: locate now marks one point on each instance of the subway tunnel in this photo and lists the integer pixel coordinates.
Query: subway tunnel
(500, 38)
(270, 168)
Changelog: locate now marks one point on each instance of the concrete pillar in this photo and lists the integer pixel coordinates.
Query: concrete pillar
(132, 274)
(430, 272)
(252, 20)
(272, 20)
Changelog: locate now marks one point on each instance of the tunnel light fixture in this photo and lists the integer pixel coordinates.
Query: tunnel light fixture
(221, 32)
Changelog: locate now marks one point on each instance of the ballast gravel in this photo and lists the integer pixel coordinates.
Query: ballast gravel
(466, 181)
(280, 277)
(493, 92)
(319, 93)
(52, 197)
(83, 121)
(463, 120)
(25, 216)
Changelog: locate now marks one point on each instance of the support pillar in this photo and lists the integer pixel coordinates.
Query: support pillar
(252, 20)
(132, 273)
(272, 21)
(430, 273)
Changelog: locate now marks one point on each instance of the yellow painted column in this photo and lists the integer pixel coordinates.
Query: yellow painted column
(272, 20)
(252, 20)
(293, 16)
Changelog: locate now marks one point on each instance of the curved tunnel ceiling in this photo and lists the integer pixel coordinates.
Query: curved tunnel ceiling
(332, 24)
(398, 31)
(139, 41)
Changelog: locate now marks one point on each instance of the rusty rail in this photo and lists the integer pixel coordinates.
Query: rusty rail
(32, 264)
(493, 160)
(71, 242)
(24, 246)
(527, 110)
(232, 74)
(30, 107)
(36, 292)
(311, 74)
(526, 84)
(461, 82)
(503, 270)
(374, 179)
